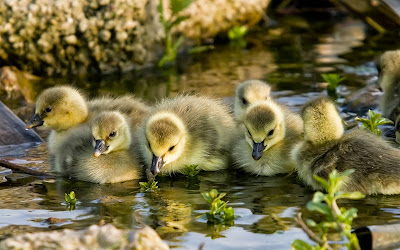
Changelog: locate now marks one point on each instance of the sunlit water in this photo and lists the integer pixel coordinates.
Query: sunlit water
(291, 60)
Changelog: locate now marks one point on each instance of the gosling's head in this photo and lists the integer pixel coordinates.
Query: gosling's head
(166, 136)
(389, 69)
(247, 93)
(265, 126)
(59, 108)
(110, 133)
(322, 122)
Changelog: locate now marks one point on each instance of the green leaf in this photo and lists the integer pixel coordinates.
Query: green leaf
(322, 181)
(352, 196)
(177, 6)
(207, 197)
(301, 245)
(311, 223)
(318, 197)
(350, 214)
(237, 32)
(319, 207)
(213, 194)
(383, 120)
(70, 198)
(177, 21)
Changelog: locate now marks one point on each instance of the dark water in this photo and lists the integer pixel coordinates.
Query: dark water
(291, 57)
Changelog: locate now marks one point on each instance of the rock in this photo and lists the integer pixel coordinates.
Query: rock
(74, 36)
(12, 129)
(207, 18)
(93, 237)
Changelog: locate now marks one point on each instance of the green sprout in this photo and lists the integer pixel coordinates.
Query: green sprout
(333, 81)
(148, 186)
(171, 44)
(373, 122)
(339, 219)
(191, 171)
(70, 199)
(236, 36)
(219, 213)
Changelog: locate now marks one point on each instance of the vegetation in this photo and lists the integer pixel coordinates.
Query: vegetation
(171, 44)
(70, 199)
(335, 218)
(333, 81)
(219, 213)
(236, 36)
(191, 171)
(371, 124)
(148, 186)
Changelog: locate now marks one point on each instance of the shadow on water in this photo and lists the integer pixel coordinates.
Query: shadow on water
(291, 58)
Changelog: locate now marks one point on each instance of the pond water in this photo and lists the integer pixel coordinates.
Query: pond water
(290, 56)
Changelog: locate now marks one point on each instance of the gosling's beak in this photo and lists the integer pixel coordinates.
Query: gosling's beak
(258, 149)
(156, 164)
(99, 148)
(35, 121)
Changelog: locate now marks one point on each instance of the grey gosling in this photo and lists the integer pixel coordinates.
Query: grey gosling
(325, 148)
(102, 153)
(247, 93)
(187, 130)
(269, 133)
(63, 108)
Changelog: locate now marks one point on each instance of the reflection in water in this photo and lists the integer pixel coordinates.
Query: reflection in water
(292, 62)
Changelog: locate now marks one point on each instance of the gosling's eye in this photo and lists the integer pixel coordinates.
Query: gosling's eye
(244, 101)
(249, 133)
(112, 134)
(171, 148)
(271, 132)
(48, 110)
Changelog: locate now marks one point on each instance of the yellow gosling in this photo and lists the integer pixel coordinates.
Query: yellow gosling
(187, 130)
(247, 93)
(269, 133)
(325, 148)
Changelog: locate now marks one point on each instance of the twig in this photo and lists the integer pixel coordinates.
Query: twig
(18, 168)
(310, 233)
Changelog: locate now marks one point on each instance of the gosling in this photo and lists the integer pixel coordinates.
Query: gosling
(187, 130)
(325, 148)
(112, 158)
(247, 93)
(389, 80)
(64, 108)
(270, 132)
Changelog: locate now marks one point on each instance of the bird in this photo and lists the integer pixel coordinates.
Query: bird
(103, 152)
(269, 132)
(389, 81)
(248, 92)
(62, 108)
(187, 130)
(325, 147)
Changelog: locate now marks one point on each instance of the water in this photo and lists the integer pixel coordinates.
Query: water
(291, 58)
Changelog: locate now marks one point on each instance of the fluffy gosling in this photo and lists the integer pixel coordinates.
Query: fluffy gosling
(269, 133)
(247, 93)
(63, 108)
(187, 130)
(103, 153)
(325, 148)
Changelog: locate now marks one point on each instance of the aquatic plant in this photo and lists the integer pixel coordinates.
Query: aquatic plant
(148, 186)
(236, 36)
(70, 199)
(172, 45)
(371, 124)
(333, 81)
(219, 213)
(191, 171)
(335, 218)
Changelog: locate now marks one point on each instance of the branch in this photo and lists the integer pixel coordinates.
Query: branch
(310, 233)
(18, 168)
